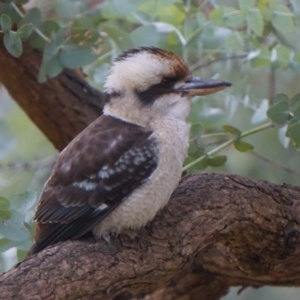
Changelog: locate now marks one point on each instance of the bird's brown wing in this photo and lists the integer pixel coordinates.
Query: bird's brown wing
(92, 176)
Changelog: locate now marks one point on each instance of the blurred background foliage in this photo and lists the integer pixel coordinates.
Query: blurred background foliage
(251, 43)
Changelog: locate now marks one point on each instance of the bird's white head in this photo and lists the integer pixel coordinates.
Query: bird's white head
(149, 82)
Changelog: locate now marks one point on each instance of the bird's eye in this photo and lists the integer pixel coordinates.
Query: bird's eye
(167, 82)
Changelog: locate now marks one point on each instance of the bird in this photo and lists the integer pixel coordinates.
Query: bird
(122, 169)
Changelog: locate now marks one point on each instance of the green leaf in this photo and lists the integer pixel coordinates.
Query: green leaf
(280, 98)
(195, 151)
(255, 21)
(67, 9)
(296, 112)
(13, 43)
(295, 63)
(50, 68)
(146, 35)
(233, 18)
(201, 18)
(23, 202)
(196, 131)
(217, 161)
(32, 16)
(6, 244)
(13, 228)
(4, 203)
(25, 31)
(5, 23)
(245, 4)
(228, 16)
(243, 146)
(279, 112)
(293, 133)
(295, 100)
(216, 16)
(198, 166)
(119, 36)
(262, 59)
(232, 130)
(3, 242)
(49, 28)
(21, 254)
(76, 56)
(283, 19)
(5, 214)
(281, 56)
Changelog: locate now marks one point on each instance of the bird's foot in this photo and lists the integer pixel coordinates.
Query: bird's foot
(130, 233)
(106, 237)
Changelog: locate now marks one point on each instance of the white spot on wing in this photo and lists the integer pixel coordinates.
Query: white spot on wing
(102, 207)
(87, 185)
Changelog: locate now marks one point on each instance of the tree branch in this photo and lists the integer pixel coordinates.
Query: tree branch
(61, 107)
(217, 231)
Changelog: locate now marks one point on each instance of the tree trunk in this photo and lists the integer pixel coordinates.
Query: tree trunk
(217, 231)
(61, 107)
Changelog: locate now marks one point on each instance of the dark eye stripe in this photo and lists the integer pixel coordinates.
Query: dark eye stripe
(168, 82)
(155, 91)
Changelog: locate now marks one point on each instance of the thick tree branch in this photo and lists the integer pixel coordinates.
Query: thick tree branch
(217, 231)
(61, 107)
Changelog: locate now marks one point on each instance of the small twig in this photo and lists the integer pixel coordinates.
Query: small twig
(18, 11)
(229, 142)
(42, 163)
(202, 65)
(274, 164)
(271, 85)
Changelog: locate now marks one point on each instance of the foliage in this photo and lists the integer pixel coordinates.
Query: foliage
(247, 42)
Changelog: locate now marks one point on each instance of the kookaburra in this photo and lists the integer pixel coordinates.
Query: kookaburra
(119, 171)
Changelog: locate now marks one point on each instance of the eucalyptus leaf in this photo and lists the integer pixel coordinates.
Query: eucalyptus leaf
(5, 214)
(245, 4)
(201, 165)
(25, 31)
(119, 36)
(242, 146)
(280, 98)
(216, 16)
(279, 112)
(295, 63)
(232, 130)
(283, 19)
(4, 203)
(32, 16)
(196, 131)
(13, 43)
(217, 161)
(255, 21)
(295, 100)
(76, 56)
(5, 22)
(296, 112)
(13, 228)
(293, 133)
(23, 202)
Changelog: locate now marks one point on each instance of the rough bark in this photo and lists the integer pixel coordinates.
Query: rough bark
(217, 231)
(61, 107)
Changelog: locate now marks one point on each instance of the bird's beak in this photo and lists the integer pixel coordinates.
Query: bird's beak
(195, 86)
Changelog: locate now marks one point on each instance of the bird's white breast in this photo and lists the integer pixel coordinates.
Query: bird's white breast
(141, 206)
